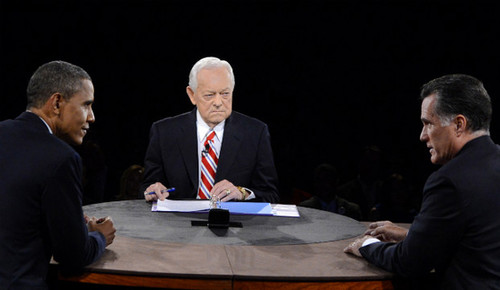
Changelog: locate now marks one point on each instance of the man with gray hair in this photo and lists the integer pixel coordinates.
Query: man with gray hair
(212, 151)
(40, 181)
(456, 234)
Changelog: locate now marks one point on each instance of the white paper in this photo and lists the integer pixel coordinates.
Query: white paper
(286, 210)
(182, 205)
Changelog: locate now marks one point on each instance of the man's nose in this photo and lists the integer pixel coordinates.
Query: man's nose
(423, 135)
(91, 116)
(218, 100)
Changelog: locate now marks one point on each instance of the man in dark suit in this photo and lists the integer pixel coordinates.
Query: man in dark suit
(456, 234)
(237, 147)
(40, 181)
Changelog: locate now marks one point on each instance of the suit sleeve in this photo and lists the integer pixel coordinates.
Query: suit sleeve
(265, 179)
(153, 164)
(432, 238)
(72, 245)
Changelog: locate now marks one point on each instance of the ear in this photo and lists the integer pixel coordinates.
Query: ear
(54, 103)
(460, 124)
(190, 93)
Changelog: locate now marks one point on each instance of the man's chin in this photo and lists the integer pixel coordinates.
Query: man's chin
(217, 120)
(72, 140)
(437, 161)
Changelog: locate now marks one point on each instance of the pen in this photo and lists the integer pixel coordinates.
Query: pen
(162, 191)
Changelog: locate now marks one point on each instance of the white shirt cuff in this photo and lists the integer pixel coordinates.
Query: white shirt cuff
(251, 195)
(370, 241)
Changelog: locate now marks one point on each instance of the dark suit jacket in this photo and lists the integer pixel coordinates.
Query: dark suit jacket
(246, 157)
(40, 205)
(457, 232)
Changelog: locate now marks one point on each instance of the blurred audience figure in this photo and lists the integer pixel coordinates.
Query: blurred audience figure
(130, 182)
(325, 182)
(399, 199)
(94, 172)
(364, 190)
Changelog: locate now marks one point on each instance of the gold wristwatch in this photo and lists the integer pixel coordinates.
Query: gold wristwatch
(244, 193)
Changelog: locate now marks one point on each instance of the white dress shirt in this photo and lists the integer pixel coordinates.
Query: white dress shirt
(202, 131)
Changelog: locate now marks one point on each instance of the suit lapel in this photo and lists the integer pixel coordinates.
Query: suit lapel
(230, 147)
(189, 147)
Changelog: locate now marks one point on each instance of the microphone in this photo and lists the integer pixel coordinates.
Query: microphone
(207, 147)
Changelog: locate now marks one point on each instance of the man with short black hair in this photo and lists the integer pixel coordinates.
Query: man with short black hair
(40, 181)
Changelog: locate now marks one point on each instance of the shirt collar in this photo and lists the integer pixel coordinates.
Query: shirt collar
(204, 129)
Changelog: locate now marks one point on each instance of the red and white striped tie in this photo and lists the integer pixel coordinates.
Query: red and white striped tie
(209, 162)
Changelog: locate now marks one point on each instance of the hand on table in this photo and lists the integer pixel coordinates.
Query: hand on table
(353, 248)
(386, 231)
(226, 191)
(103, 225)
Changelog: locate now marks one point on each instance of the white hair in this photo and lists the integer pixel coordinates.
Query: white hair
(207, 63)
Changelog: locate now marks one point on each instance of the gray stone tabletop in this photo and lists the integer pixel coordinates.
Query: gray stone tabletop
(134, 218)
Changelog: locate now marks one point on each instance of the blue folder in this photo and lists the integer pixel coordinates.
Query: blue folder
(252, 208)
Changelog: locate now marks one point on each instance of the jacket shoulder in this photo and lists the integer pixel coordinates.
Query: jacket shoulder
(179, 119)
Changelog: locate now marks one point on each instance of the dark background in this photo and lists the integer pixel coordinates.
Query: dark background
(328, 77)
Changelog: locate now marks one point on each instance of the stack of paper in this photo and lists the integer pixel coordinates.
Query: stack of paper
(250, 208)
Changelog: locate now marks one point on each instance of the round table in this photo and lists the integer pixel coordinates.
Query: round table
(163, 250)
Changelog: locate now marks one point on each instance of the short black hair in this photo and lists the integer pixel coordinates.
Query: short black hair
(54, 77)
(461, 94)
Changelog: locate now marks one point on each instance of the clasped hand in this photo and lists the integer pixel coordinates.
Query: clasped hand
(103, 225)
(385, 231)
